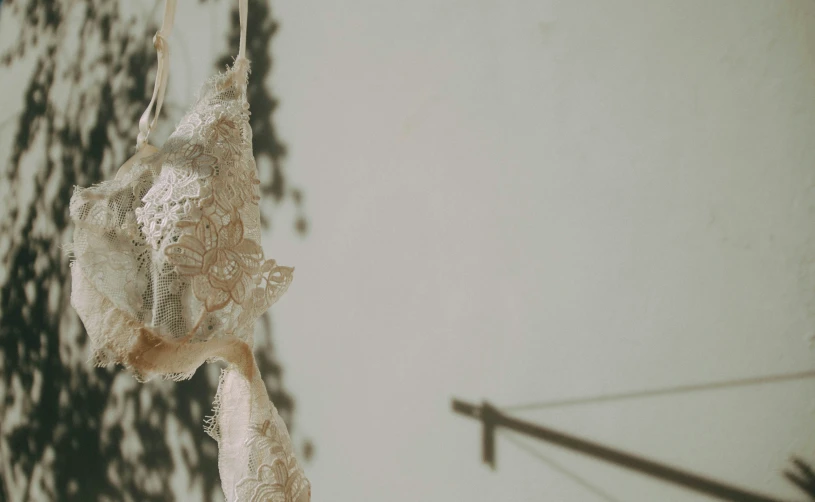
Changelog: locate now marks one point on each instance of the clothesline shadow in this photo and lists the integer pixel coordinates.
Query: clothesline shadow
(802, 475)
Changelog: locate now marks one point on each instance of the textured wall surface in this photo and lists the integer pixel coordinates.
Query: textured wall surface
(519, 201)
(526, 201)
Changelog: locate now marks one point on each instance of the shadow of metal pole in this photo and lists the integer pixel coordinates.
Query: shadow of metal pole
(492, 418)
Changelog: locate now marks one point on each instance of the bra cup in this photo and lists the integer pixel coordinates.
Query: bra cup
(168, 273)
(145, 151)
(173, 241)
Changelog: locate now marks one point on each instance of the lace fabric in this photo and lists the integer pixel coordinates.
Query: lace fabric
(168, 274)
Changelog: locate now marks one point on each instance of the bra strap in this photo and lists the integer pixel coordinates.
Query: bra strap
(163, 49)
(242, 8)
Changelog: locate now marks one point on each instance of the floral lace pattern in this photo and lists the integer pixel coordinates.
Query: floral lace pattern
(169, 274)
(220, 261)
(281, 480)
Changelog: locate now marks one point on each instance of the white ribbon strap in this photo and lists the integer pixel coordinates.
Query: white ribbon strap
(163, 71)
(242, 8)
(163, 49)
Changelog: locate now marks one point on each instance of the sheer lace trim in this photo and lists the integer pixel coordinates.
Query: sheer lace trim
(168, 273)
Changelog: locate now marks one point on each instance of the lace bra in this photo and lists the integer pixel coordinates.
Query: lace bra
(168, 272)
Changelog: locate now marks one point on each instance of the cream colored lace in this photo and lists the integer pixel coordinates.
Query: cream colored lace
(168, 273)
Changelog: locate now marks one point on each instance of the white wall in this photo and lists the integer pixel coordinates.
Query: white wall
(533, 200)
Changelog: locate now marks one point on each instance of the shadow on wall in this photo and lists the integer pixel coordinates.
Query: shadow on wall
(495, 421)
(802, 475)
(69, 431)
